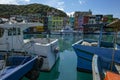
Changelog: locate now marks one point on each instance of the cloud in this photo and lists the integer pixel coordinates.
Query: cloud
(8, 2)
(70, 13)
(60, 5)
(14, 1)
(26, 0)
(81, 2)
(55, 3)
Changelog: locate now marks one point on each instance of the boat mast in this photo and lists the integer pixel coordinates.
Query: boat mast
(100, 36)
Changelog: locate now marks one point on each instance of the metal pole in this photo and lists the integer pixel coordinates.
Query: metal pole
(100, 36)
(113, 54)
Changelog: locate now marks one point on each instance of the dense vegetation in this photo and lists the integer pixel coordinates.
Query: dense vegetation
(7, 10)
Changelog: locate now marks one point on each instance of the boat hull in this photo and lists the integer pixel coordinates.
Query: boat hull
(15, 73)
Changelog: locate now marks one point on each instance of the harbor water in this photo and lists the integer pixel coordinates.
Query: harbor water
(65, 67)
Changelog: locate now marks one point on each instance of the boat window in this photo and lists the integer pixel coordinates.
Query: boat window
(18, 29)
(9, 32)
(14, 31)
(1, 32)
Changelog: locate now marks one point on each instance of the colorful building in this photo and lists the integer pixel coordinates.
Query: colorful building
(92, 19)
(79, 19)
(98, 18)
(108, 18)
(85, 19)
(55, 22)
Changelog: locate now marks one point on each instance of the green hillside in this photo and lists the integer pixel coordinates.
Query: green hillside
(6, 10)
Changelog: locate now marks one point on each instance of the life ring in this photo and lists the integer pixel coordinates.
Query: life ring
(56, 50)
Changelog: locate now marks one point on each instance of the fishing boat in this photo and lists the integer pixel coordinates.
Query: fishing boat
(12, 40)
(86, 48)
(107, 68)
(102, 67)
(15, 62)
(18, 55)
(67, 30)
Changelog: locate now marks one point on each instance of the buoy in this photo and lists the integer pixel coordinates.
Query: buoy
(56, 50)
(111, 76)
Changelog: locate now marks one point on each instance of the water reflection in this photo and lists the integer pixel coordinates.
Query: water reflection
(66, 41)
(84, 76)
(67, 65)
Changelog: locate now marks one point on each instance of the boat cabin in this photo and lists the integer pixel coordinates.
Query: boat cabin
(11, 35)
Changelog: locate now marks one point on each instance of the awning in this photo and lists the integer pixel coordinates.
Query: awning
(115, 24)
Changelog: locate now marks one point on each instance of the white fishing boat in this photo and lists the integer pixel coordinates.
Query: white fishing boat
(12, 40)
(67, 30)
(15, 62)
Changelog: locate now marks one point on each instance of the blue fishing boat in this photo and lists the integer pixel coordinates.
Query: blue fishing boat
(102, 65)
(16, 67)
(107, 67)
(86, 48)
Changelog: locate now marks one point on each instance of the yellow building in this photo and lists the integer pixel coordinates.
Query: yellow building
(55, 23)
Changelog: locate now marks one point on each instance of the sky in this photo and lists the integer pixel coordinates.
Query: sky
(104, 7)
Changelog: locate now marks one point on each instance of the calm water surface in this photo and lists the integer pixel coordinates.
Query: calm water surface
(65, 68)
